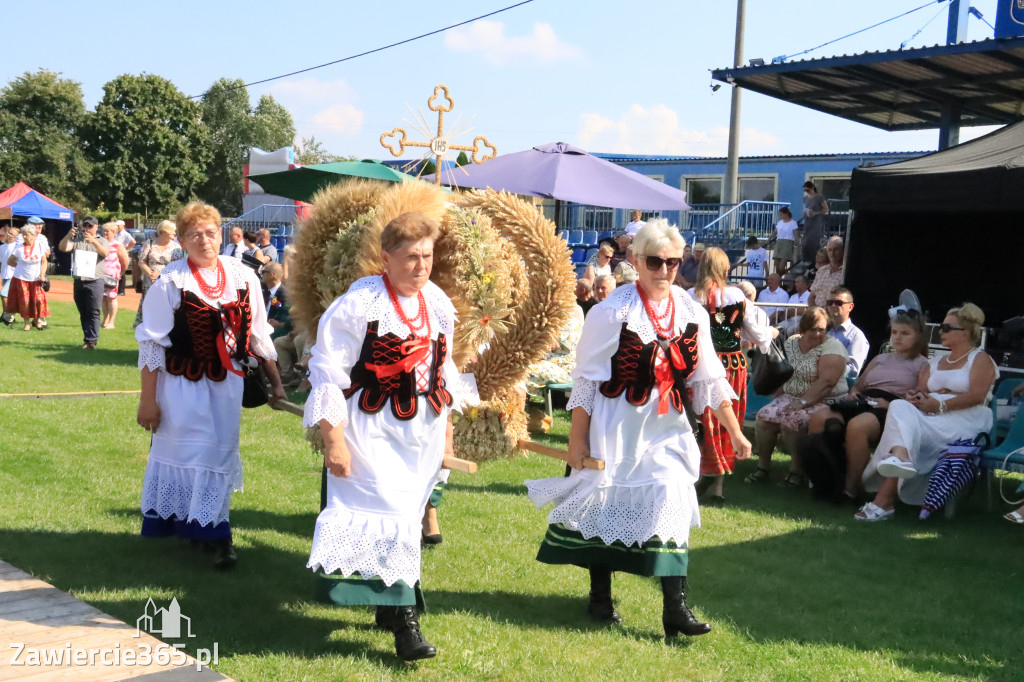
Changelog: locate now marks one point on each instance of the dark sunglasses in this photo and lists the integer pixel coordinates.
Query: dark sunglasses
(836, 302)
(946, 328)
(654, 263)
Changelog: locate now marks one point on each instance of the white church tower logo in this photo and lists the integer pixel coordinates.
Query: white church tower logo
(165, 622)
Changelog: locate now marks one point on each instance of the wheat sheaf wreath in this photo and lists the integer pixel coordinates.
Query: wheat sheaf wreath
(500, 262)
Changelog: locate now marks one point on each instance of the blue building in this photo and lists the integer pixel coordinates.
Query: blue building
(761, 178)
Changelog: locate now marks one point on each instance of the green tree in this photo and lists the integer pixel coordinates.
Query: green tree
(462, 159)
(40, 119)
(228, 120)
(310, 151)
(273, 127)
(234, 126)
(148, 143)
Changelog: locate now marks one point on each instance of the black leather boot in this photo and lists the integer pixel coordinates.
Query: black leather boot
(676, 616)
(600, 606)
(410, 645)
(383, 617)
(224, 555)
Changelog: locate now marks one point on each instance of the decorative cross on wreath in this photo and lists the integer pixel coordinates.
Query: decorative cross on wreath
(396, 141)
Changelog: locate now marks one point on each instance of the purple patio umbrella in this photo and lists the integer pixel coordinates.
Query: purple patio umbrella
(566, 173)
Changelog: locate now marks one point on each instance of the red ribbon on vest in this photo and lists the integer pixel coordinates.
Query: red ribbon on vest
(663, 375)
(415, 352)
(231, 314)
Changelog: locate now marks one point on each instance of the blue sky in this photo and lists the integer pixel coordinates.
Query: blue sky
(607, 75)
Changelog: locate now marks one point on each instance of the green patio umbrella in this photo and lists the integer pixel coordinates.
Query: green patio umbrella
(302, 183)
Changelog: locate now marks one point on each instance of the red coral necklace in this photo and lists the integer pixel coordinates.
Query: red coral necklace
(417, 324)
(211, 292)
(663, 324)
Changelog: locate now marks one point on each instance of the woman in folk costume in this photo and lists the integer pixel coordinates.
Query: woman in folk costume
(383, 377)
(644, 355)
(203, 323)
(732, 316)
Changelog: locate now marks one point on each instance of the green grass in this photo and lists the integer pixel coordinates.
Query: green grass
(795, 590)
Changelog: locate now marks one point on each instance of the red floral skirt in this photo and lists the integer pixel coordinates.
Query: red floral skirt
(717, 455)
(27, 299)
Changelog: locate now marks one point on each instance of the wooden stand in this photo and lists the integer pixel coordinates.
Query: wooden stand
(588, 462)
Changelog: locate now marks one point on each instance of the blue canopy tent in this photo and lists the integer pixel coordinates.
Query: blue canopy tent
(21, 201)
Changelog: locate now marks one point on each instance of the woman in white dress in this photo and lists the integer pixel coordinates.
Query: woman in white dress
(383, 381)
(602, 264)
(643, 351)
(950, 403)
(203, 323)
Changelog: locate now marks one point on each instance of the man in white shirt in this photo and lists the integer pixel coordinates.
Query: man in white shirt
(803, 292)
(235, 248)
(839, 306)
(773, 293)
(633, 227)
(603, 286)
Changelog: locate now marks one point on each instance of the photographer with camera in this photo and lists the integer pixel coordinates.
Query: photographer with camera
(87, 267)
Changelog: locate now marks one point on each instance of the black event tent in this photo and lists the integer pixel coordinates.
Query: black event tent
(947, 225)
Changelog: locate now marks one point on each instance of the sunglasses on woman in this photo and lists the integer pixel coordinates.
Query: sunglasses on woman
(654, 263)
(946, 328)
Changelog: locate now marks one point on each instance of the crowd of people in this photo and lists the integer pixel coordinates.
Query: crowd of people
(657, 353)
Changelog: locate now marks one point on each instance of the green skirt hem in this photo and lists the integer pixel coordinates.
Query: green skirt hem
(357, 591)
(653, 558)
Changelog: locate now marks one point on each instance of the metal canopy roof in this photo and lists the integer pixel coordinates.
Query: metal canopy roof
(903, 89)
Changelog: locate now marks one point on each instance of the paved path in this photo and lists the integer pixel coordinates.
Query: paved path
(39, 617)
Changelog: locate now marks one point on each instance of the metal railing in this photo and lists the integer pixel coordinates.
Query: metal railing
(747, 218)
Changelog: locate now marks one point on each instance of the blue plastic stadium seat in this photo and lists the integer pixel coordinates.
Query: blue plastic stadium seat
(579, 255)
(563, 235)
(589, 238)
(575, 237)
(591, 253)
(580, 271)
(607, 234)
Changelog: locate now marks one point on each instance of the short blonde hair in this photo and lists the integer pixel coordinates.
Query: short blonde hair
(407, 227)
(812, 315)
(606, 249)
(166, 226)
(195, 214)
(748, 290)
(656, 235)
(109, 226)
(971, 318)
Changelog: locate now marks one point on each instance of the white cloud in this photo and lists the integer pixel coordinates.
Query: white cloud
(656, 130)
(321, 108)
(488, 37)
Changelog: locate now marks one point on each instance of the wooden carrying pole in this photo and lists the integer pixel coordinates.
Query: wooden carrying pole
(588, 462)
(453, 463)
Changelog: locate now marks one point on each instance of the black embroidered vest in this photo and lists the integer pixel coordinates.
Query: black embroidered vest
(399, 388)
(633, 367)
(197, 326)
(726, 324)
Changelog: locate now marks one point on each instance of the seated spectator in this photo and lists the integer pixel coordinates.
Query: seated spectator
(828, 276)
(585, 295)
(773, 293)
(278, 308)
(819, 364)
(268, 249)
(602, 264)
(949, 403)
(839, 306)
(820, 261)
(603, 286)
(557, 367)
(802, 293)
(687, 275)
(887, 377)
(751, 295)
(250, 248)
(622, 243)
(625, 273)
(636, 223)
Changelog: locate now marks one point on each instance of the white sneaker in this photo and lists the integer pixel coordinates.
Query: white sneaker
(894, 467)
